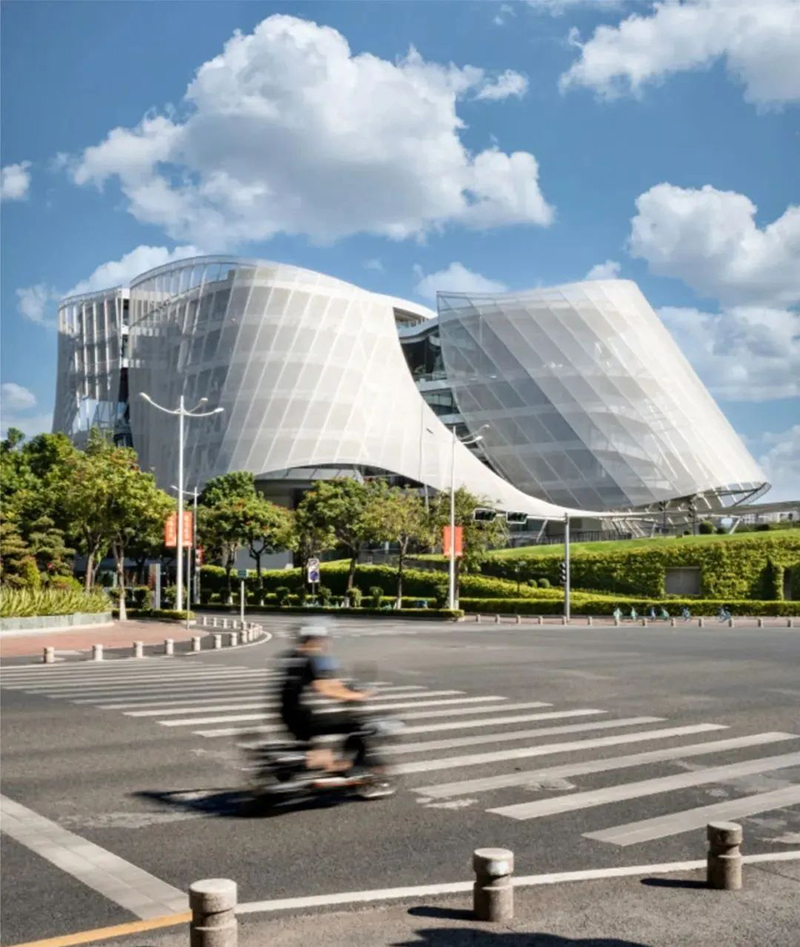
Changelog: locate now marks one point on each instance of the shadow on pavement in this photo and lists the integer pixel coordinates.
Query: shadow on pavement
(237, 804)
(472, 937)
(673, 883)
(454, 914)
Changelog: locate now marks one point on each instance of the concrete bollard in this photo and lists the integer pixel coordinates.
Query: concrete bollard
(49, 656)
(588, 619)
(700, 623)
(217, 642)
(97, 652)
(724, 867)
(224, 622)
(672, 622)
(540, 621)
(730, 623)
(196, 643)
(789, 622)
(497, 619)
(563, 620)
(478, 617)
(138, 649)
(169, 646)
(644, 623)
(233, 639)
(760, 623)
(517, 619)
(616, 622)
(213, 904)
(493, 895)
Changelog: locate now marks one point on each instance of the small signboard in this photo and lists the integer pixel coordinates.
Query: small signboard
(171, 529)
(459, 550)
(312, 569)
(242, 573)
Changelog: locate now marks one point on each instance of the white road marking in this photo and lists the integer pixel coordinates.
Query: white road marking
(186, 677)
(568, 770)
(230, 706)
(89, 670)
(646, 787)
(432, 728)
(478, 759)
(676, 822)
(116, 879)
(513, 735)
(239, 717)
(249, 691)
(518, 881)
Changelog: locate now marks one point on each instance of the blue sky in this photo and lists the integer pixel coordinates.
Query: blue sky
(530, 143)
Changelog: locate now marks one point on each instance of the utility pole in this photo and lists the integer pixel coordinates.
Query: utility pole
(566, 566)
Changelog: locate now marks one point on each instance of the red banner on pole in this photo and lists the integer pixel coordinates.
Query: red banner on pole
(171, 529)
(459, 540)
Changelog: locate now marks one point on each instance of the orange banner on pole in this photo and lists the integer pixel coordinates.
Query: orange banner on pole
(171, 529)
(459, 540)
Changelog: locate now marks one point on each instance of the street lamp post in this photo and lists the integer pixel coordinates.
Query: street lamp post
(182, 412)
(566, 567)
(467, 442)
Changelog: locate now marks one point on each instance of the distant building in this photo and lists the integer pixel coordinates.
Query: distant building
(583, 400)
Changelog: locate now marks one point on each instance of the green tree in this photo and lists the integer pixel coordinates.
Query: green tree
(13, 552)
(237, 483)
(398, 516)
(478, 536)
(220, 532)
(265, 529)
(336, 509)
(48, 548)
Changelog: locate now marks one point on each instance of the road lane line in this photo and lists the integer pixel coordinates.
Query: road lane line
(518, 881)
(104, 933)
(239, 717)
(478, 759)
(116, 879)
(646, 787)
(433, 728)
(427, 746)
(677, 822)
(227, 706)
(187, 677)
(250, 692)
(93, 670)
(468, 786)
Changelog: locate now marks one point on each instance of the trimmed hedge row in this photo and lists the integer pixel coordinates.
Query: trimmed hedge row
(747, 568)
(429, 613)
(588, 605)
(162, 614)
(416, 582)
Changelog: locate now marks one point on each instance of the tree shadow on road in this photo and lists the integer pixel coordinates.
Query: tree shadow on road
(477, 937)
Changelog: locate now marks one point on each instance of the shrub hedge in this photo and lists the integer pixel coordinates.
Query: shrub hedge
(416, 582)
(429, 613)
(747, 568)
(162, 614)
(27, 603)
(591, 605)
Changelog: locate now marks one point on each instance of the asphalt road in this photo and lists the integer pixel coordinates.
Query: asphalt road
(533, 709)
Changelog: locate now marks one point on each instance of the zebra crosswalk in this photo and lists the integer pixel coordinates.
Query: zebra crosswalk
(461, 749)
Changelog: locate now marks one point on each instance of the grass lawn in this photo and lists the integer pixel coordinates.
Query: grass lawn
(628, 545)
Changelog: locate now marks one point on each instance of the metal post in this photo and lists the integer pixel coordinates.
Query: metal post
(179, 557)
(213, 904)
(196, 573)
(724, 865)
(493, 894)
(566, 566)
(451, 597)
(241, 601)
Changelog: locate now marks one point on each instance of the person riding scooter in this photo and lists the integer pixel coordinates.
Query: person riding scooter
(311, 671)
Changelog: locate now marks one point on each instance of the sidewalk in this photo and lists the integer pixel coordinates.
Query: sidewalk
(120, 634)
(664, 911)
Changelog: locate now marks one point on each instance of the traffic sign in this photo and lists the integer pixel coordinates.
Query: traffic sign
(313, 570)
(242, 573)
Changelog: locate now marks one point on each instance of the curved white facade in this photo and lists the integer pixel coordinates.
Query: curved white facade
(588, 399)
(591, 406)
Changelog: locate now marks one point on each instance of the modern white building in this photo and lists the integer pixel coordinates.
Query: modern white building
(584, 401)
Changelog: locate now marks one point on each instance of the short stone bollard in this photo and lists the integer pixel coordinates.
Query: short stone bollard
(672, 622)
(588, 619)
(196, 643)
(760, 623)
(97, 652)
(224, 622)
(169, 646)
(138, 649)
(724, 870)
(217, 642)
(213, 904)
(233, 639)
(730, 623)
(497, 619)
(563, 619)
(478, 617)
(493, 894)
(789, 622)
(517, 619)
(49, 656)
(540, 621)
(616, 622)
(700, 623)
(644, 623)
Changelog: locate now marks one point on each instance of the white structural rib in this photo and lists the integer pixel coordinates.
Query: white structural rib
(647, 787)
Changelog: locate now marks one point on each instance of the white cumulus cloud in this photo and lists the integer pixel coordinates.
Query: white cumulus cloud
(287, 131)
(15, 181)
(745, 353)
(758, 41)
(710, 240)
(36, 302)
(608, 270)
(781, 463)
(17, 397)
(559, 7)
(455, 279)
(508, 84)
